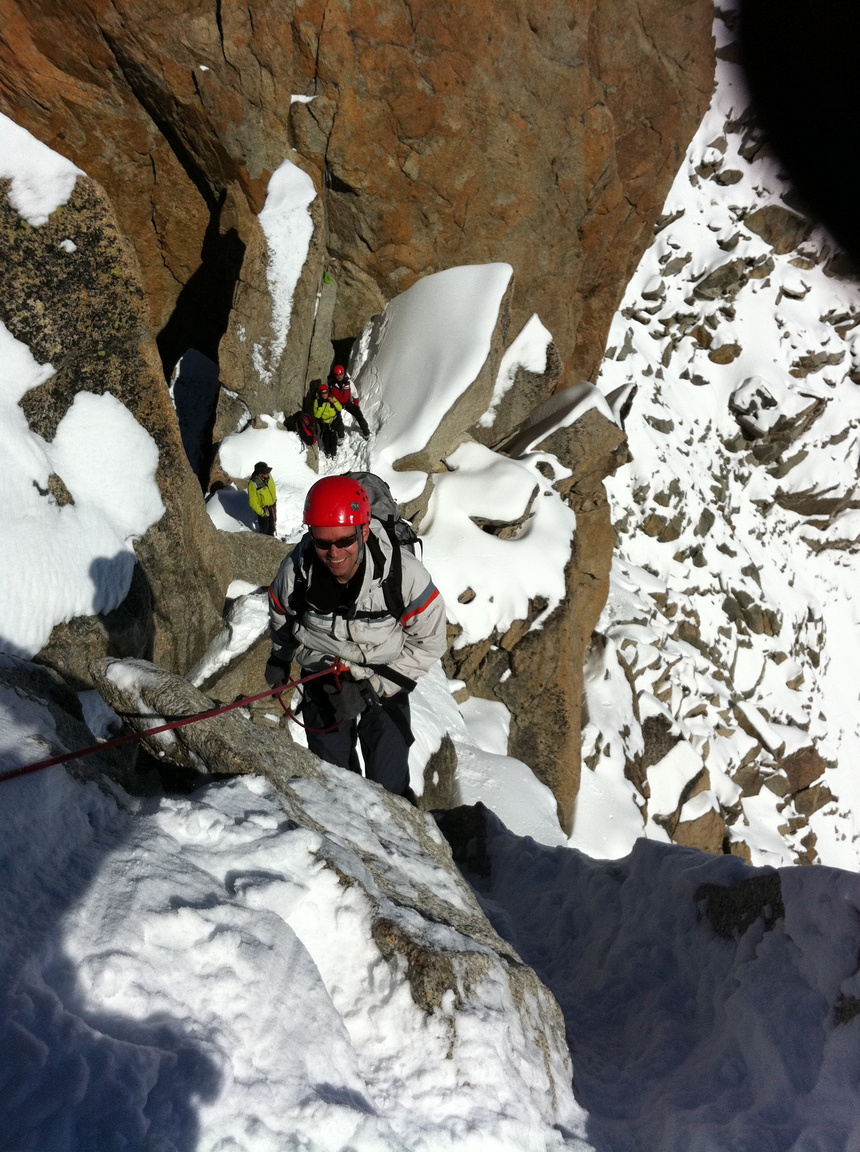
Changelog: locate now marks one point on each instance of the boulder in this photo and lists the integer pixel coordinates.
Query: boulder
(528, 374)
(253, 557)
(802, 768)
(705, 832)
(777, 226)
(769, 411)
(126, 631)
(723, 283)
(426, 368)
(84, 313)
(266, 350)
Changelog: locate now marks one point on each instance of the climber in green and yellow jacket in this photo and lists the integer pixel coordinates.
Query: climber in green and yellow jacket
(327, 420)
(263, 498)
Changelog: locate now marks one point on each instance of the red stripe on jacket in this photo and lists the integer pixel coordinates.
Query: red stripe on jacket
(420, 609)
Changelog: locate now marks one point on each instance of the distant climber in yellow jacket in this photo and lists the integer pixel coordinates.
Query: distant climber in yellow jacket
(263, 498)
(327, 419)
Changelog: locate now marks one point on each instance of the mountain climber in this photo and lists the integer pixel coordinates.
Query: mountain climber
(332, 604)
(342, 389)
(328, 420)
(263, 498)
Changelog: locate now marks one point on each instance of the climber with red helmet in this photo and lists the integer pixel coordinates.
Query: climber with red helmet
(344, 599)
(342, 389)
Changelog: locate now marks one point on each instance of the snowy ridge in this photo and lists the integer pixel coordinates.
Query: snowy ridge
(205, 972)
(286, 221)
(75, 505)
(709, 1006)
(731, 624)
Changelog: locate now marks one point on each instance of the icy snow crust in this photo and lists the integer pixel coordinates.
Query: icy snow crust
(428, 347)
(188, 973)
(76, 559)
(42, 180)
(286, 221)
(682, 1039)
(504, 574)
(734, 693)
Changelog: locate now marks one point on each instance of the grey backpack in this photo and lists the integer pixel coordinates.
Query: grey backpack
(383, 507)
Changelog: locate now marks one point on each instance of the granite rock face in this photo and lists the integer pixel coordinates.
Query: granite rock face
(544, 136)
(84, 313)
(538, 674)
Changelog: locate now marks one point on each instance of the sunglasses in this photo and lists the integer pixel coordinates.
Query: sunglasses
(342, 543)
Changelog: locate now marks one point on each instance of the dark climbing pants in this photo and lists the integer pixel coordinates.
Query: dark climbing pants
(381, 731)
(327, 438)
(358, 416)
(267, 524)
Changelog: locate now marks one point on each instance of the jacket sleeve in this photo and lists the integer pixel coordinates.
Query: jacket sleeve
(423, 622)
(254, 498)
(281, 619)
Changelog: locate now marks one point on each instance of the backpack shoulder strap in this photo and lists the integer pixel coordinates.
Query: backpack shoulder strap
(392, 584)
(298, 599)
(376, 555)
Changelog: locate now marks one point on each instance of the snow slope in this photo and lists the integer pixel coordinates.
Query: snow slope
(61, 560)
(188, 973)
(697, 1022)
(732, 606)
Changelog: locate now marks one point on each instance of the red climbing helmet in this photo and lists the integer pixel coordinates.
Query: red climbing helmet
(336, 500)
(339, 370)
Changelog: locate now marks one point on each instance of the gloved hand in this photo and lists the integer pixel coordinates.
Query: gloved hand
(358, 671)
(277, 672)
(349, 702)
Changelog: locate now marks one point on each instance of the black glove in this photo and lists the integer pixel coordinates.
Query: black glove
(349, 702)
(277, 672)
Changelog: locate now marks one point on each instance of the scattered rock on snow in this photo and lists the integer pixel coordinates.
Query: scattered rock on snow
(777, 226)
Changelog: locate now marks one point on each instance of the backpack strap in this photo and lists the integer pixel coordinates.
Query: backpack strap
(298, 599)
(392, 585)
(376, 555)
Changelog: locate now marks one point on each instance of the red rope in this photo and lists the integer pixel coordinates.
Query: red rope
(131, 737)
(290, 714)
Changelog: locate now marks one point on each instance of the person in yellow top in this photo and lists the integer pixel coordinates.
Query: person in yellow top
(263, 498)
(327, 419)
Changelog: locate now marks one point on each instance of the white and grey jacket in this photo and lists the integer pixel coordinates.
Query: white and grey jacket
(367, 633)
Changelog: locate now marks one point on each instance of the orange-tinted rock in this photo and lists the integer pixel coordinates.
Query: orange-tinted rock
(705, 832)
(545, 135)
(802, 768)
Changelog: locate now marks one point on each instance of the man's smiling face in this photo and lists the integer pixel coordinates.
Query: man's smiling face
(338, 549)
